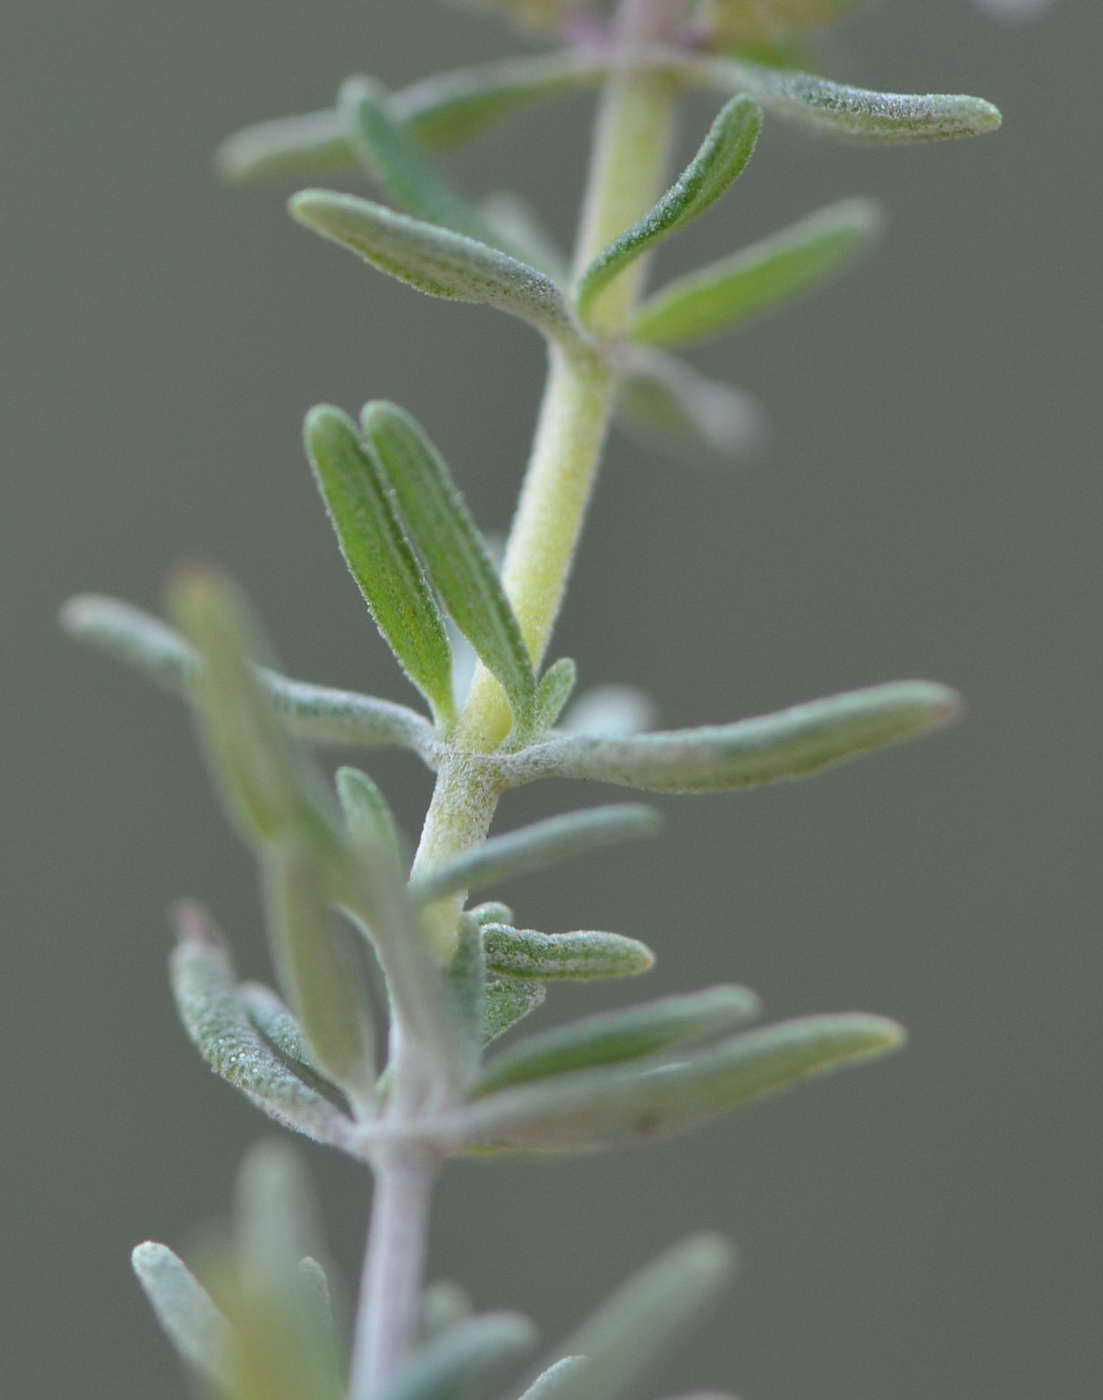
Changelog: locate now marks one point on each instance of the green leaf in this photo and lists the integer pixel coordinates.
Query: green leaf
(554, 690)
(441, 111)
(372, 891)
(276, 1218)
(367, 812)
(270, 789)
(379, 556)
(550, 1384)
(466, 981)
(312, 712)
(613, 1036)
(435, 260)
(395, 158)
(643, 1319)
(449, 108)
(727, 293)
(278, 1026)
(668, 407)
(462, 1354)
(185, 1311)
(721, 159)
(628, 1106)
(507, 1002)
(454, 552)
(793, 743)
(841, 110)
(492, 912)
(207, 1000)
(582, 956)
(319, 970)
(538, 846)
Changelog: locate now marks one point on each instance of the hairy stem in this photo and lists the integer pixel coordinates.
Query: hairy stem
(391, 1289)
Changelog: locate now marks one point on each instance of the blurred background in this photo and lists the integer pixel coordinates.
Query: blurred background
(929, 505)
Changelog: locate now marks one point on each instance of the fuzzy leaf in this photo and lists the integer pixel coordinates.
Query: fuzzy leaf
(318, 967)
(665, 405)
(793, 743)
(379, 556)
(454, 552)
(727, 293)
(626, 1106)
(460, 1355)
(278, 1026)
(581, 956)
(441, 111)
(206, 996)
(312, 712)
(492, 912)
(367, 812)
(435, 260)
(538, 846)
(268, 785)
(721, 159)
(184, 1309)
(466, 982)
(508, 1002)
(614, 1036)
(841, 110)
(549, 1385)
(401, 165)
(449, 108)
(554, 690)
(632, 1331)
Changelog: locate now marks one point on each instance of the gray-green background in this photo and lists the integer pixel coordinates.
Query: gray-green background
(929, 506)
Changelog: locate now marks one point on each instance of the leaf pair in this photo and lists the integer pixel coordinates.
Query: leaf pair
(405, 531)
(265, 1330)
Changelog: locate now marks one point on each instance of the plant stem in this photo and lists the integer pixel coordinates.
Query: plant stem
(390, 1291)
(631, 151)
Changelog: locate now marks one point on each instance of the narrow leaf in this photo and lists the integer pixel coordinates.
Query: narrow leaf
(613, 1036)
(552, 694)
(400, 164)
(631, 1332)
(627, 1106)
(367, 812)
(269, 787)
(725, 294)
(582, 956)
(549, 1385)
(849, 111)
(185, 1311)
(454, 552)
(379, 556)
(311, 711)
(436, 260)
(793, 743)
(461, 1355)
(206, 996)
(466, 982)
(538, 846)
(321, 978)
(276, 1219)
(721, 159)
(278, 1026)
(669, 407)
(441, 111)
(449, 108)
(507, 1002)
